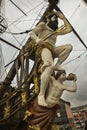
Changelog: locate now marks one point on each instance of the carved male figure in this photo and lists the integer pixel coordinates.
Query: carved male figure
(56, 87)
(43, 117)
(45, 33)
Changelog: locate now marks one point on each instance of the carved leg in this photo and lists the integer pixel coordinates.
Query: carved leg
(62, 52)
(45, 76)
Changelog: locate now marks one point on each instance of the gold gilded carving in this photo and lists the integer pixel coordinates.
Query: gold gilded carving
(23, 96)
(7, 111)
(27, 114)
(34, 127)
(55, 127)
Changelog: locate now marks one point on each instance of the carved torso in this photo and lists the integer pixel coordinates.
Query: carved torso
(43, 31)
(54, 93)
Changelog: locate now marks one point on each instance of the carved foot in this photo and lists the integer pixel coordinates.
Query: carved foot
(41, 101)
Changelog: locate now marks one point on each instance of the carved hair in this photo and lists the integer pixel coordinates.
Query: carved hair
(50, 14)
(54, 1)
(85, 1)
(59, 73)
(53, 24)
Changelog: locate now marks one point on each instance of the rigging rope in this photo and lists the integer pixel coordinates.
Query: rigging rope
(26, 13)
(79, 64)
(54, 6)
(15, 38)
(9, 43)
(19, 46)
(25, 52)
(71, 16)
(23, 40)
(75, 10)
(46, 38)
(37, 16)
(18, 7)
(74, 59)
(22, 33)
(27, 31)
(12, 58)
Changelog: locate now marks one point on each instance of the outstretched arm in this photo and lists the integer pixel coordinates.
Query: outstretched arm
(73, 88)
(66, 28)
